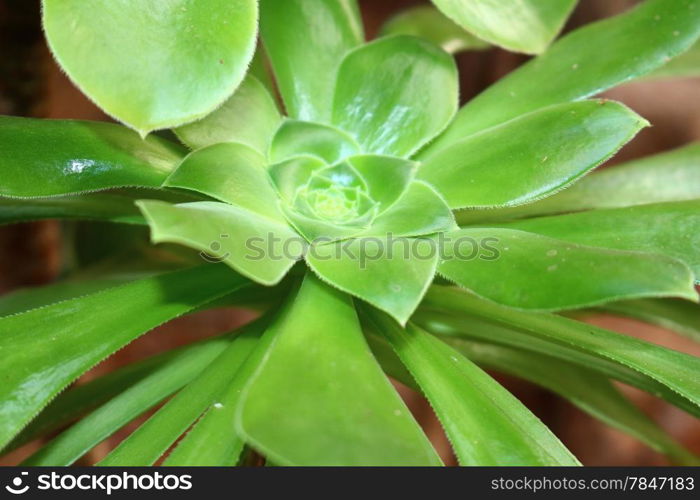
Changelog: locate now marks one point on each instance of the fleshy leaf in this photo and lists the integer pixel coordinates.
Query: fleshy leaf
(156, 67)
(670, 176)
(529, 271)
(59, 157)
(255, 246)
(427, 22)
(386, 176)
(296, 138)
(410, 98)
(518, 25)
(306, 40)
(532, 156)
(100, 206)
(677, 315)
(486, 424)
(320, 398)
(583, 63)
(233, 173)
(250, 116)
(291, 174)
(668, 228)
(392, 274)
(686, 65)
(72, 444)
(70, 337)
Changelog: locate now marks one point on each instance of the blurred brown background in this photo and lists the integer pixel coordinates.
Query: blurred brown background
(30, 254)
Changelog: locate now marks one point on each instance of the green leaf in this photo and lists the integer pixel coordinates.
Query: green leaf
(392, 274)
(59, 157)
(532, 156)
(386, 177)
(250, 116)
(230, 172)
(670, 176)
(583, 63)
(289, 175)
(549, 274)
(255, 246)
(146, 444)
(320, 398)
(419, 211)
(669, 228)
(306, 40)
(156, 67)
(663, 372)
(410, 98)
(427, 22)
(70, 337)
(677, 315)
(486, 425)
(518, 25)
(296, 138)
(686, 65)
(72, 444)
(585, 388)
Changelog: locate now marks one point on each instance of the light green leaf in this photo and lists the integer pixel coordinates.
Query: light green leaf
(296, 138)
(250, 116)
(59, 157)
(677, 315)
(549, 274)
(72, 444)
(518, 25)
(684, 66)
(147, 443)
(289, 175)
(419, 211)
(583, 63)
(486, 425)
(532, 156)
(70, 337)
(306, 40)
(392, 274)
(663, 372)
(410, 98)
(427, 22)
(585, 388)
(386, 176)
(159, 66)
(670, 176)
(320, 398)
(255, 246)
(669, 228)
(230, 172)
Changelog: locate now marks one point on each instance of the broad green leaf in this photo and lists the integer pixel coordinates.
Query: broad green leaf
(73, 443)
(289, 175)
(387, 177)
(666, 373)
(684, 66)
(306, 40)
(583, 63)
(296, 138)
(153, 67)
(100, 206)
(392, 274)
(427, 22)
(549, 274)
(320, 398)
(59, 157)
(532, 156)
(255, 246)
(668, 228)
(419, 211)
(411, 96)
(670, 176)
(70, 337)
(518, 25)
(250, 116)
(147, 443)
(585, 388)
(486, 425)
(230, 172)
(677, 315)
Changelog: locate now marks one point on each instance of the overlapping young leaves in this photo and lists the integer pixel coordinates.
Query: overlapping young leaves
(363, 176)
